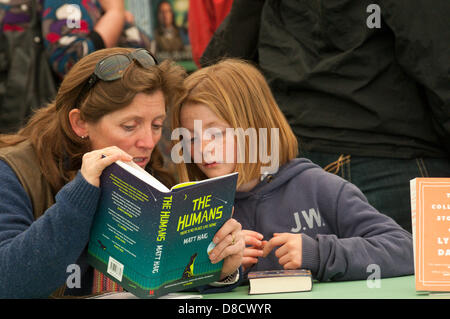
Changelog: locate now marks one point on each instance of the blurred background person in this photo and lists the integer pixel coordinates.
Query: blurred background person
(364, 86)
(167, 34)
(42, 39)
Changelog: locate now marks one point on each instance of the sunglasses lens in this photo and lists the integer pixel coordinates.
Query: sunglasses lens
(144, 58)
(112, 67)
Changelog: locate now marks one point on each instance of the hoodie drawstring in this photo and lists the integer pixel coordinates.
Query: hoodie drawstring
(335, 166)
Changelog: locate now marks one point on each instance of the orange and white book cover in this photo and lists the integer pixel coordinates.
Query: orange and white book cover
(430, 213)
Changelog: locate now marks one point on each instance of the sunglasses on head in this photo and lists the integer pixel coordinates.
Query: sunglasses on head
(112, 67)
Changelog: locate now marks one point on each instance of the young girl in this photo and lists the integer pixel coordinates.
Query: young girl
(296, 216)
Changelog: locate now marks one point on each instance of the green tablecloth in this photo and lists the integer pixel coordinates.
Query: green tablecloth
(389, 288)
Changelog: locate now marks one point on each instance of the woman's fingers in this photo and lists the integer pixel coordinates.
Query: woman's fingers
(228, 240)
(96, 161)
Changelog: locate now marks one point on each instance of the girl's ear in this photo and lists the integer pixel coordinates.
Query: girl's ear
(78, 125)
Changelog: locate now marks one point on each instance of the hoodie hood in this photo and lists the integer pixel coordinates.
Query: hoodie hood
(273, 181)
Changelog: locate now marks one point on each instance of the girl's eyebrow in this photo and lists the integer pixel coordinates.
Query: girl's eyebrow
(213, 124)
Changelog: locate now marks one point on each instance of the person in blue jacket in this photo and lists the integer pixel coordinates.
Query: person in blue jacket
(110, 106)
(294, 214)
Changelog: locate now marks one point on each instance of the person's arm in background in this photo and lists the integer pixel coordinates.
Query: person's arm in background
(111, 24)
(422, 37)
(204, 18)
(74, 29)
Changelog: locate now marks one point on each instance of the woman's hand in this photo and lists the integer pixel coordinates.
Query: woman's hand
(229, 247)
(290, 252)
(96, 161)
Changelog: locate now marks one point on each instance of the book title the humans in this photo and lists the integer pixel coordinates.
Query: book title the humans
(162, 230)
(202, 212)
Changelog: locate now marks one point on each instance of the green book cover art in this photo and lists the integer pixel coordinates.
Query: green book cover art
(153, 242)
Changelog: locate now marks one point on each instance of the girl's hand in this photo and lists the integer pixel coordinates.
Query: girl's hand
(94, 162)
(229, 247)
(254, 248)
(290, 252)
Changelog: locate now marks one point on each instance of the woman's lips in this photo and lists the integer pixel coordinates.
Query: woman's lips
(141, 161)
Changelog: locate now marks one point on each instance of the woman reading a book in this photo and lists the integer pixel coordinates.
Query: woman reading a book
(294, 214)
(110, 106)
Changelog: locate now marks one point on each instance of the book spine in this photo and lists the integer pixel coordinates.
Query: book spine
(164, 216)
(413, 193)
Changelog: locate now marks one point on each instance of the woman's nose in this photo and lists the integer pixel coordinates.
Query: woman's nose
(147, 140)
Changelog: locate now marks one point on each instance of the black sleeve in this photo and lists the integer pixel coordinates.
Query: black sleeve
(237, 35)
(96, 40)
(422, 45)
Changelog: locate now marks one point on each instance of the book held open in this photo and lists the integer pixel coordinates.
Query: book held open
(152, 240)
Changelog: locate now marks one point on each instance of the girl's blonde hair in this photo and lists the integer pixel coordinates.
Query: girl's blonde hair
(237, 93)
(57, 146)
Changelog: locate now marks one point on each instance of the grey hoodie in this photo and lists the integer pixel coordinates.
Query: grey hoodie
(342, 234)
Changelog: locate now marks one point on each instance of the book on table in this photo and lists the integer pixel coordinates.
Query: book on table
(279, 281)
(430, 216)
(152, 240)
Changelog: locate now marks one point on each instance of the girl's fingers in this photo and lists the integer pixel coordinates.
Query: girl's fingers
(283, 250)
(252, 233)
(272, 243)
(252, 252)
(252, 241)
(249, 261)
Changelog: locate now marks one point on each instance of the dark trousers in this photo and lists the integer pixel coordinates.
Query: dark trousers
(384, 181)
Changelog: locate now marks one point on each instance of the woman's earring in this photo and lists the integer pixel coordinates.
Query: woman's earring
(84, 136)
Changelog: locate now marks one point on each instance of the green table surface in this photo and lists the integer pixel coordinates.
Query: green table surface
(389, 288)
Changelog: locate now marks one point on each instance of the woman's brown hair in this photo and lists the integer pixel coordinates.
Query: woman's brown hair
(237, 93)
(58, 148)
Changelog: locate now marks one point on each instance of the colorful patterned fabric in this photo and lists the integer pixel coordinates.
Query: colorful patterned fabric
(102, 283)
(66, 28)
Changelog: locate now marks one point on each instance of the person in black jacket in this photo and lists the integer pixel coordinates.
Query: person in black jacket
(365, 85)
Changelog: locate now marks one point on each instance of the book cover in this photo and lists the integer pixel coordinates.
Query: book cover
(430, 214)
(278, 281)
(152, 240)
